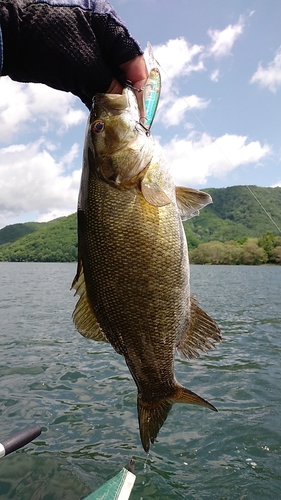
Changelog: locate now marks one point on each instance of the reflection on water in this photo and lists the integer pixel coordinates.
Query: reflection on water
(82, 394)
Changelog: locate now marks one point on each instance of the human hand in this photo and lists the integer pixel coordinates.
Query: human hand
(70, 47)
(136, 72)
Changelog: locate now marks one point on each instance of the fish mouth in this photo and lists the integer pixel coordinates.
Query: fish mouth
(115, 104)
(112, 103)
(106, 106)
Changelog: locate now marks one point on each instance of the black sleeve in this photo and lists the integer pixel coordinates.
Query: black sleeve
(71, 45)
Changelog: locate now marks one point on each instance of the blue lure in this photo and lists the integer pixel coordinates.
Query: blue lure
(151, 94)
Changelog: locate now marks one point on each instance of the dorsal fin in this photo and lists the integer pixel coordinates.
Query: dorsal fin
(83, 315)
(202, 332)
(190, 201)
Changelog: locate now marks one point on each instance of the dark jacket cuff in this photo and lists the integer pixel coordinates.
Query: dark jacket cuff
(1, 52)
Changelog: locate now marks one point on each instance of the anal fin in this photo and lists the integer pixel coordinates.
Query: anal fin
(201, 334)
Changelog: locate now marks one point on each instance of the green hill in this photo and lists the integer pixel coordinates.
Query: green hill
(234, 215)
(54, 241)
(9, 234)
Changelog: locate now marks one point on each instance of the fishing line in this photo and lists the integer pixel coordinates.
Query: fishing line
(221, 150)
(268, 215)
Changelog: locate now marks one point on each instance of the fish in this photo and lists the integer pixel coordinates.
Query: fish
(132, 274)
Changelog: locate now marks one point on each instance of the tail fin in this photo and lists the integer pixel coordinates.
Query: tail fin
(152, 415)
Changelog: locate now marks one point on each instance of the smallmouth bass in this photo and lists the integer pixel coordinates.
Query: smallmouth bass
(133, 269)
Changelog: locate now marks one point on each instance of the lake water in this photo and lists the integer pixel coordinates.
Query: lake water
(83, 396)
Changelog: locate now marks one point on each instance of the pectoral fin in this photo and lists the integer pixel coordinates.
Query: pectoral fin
(83, 315)
(151, 190)
(154, 195)
(202, 332)
(190, 201)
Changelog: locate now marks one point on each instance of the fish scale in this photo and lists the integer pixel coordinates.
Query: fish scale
(128, 278)
(133, 270)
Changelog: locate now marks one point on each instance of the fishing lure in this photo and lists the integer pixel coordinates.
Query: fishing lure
(152, 88)
(151, 94)
(151, 91)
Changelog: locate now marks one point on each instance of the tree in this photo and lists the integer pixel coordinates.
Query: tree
(252, 253)
(266, 241)
(275, 256)
(216, 252)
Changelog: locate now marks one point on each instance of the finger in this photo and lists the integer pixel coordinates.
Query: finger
(139, 95)
(135, 70)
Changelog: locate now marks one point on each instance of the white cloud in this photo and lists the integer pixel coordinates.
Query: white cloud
(69, 157)
(177, 58)
(172, 109)
(215, 75)
(21, 105)
(39, 177)
(32, 180)
(271, 75)
(193, 160)
(222, 41)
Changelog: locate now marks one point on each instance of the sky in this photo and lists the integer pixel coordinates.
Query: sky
(218, 119)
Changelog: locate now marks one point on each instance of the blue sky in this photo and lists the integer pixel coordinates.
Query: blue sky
(218, 119)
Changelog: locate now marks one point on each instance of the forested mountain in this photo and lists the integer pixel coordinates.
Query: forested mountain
(54, 241)
(9, 234)
(234, 215)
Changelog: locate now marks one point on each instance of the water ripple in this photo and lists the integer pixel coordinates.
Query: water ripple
(83, 396)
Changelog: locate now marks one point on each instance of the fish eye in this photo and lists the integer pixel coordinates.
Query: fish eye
(98, 126)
